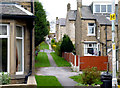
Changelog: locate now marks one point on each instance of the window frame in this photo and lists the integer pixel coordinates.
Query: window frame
(8, 45)
(90, 42)
(88, 30)
(106, 4)
(21, 38)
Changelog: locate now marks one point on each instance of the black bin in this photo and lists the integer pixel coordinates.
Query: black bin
(106, 78)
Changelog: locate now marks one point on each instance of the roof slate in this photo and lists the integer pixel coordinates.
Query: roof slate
(72, 15)
(62, 21)
(101, 19)
(11, 9)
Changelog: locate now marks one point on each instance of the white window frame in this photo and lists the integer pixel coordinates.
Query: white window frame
(90, 42)
(94, 9)
(22, 72)
(88, 30)
(8, 45)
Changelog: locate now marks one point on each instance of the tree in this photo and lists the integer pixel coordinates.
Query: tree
(41, 23)
(67, 45)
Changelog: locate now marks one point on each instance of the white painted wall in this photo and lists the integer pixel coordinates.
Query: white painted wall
(89, 2)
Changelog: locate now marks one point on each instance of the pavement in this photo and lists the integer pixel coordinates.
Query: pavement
(61, 73)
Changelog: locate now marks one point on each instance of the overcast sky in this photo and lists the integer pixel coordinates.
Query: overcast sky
(57, 8)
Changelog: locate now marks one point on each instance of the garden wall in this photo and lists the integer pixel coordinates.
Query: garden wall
(80, 63)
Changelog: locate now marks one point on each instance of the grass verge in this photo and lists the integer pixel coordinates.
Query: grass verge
(43, 46)
(47, 81)
(42, 60)
(61, 62)
(77, 78)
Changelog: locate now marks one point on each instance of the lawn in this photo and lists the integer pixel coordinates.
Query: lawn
(42, 60)
(48, 82)
(43, 46)
(77, 78)
(61, 62)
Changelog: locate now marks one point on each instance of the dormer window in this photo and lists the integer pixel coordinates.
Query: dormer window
(97, 8)
(102, 8)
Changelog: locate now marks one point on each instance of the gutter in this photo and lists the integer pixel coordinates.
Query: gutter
(31, 31)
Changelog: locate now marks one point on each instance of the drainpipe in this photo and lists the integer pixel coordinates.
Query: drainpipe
(31, 31)
(106, 39)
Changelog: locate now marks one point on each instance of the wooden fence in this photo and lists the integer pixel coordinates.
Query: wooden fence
(80, 63)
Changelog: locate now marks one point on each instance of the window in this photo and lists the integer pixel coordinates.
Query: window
(97, 8)
(91, 29)
(90, 49)
(4, 48)
(19, 50)
(109, 8)
(103, 8)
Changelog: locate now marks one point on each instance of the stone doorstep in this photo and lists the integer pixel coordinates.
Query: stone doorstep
(31, 80)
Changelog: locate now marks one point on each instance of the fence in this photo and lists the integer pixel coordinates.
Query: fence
(80, 63)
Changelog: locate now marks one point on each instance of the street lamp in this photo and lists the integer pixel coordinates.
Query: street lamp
(114, 79)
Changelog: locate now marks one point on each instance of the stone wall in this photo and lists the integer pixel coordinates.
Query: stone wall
(70, 28)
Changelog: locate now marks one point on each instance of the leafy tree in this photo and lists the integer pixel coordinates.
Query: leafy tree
(67, 45)
(41, 24)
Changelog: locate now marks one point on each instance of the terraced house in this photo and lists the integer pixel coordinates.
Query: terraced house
(66, 25)
(60, 28)
(93, 28)
(17, 39)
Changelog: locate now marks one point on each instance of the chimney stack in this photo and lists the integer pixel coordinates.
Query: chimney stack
(79, 3)
(68, 7)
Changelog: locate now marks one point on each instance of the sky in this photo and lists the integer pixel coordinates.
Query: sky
(57, 8)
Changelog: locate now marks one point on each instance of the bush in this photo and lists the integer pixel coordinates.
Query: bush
(91, 76)
(58, 49)
(4, 78)
(53, 41)
(67, 45)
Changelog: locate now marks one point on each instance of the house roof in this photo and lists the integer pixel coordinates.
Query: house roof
(14, 10)
(72, 15)
(62, 21)
(101, 19)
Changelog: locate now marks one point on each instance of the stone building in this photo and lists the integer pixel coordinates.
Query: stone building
(93, 28)
(17, 39)
(60, 28)
(70, 23)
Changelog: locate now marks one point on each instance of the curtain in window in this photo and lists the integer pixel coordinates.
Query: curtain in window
(19, 55)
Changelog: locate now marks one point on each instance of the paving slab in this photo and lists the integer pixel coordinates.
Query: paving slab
(62, 73)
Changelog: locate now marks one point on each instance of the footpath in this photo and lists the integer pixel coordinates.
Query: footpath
(61, 73)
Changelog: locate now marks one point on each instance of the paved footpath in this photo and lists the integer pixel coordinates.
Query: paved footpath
(62, 73)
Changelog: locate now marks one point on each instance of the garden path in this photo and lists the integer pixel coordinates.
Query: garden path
(62, 73)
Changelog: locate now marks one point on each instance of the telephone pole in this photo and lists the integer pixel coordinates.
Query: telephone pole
(114, 79)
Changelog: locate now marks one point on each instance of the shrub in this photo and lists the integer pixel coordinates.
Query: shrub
(91, 76)
(58, 49)
(53, 41)
(67, 45)
(4, 78)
